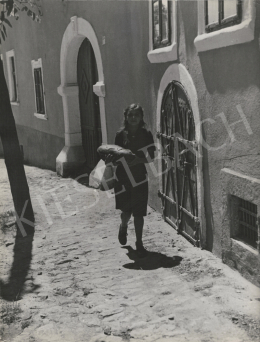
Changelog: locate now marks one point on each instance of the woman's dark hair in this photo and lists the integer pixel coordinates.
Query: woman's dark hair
(133, 106)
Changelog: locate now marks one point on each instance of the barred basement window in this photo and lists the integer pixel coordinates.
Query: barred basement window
(222, 13)
(247, 221)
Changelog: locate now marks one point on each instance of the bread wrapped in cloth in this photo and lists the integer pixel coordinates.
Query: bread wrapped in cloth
(117, 152)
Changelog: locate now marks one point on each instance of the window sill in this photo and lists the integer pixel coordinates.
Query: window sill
(15, 103)
(236, 241)
(162, 55)
(41, 116)
(237, 34)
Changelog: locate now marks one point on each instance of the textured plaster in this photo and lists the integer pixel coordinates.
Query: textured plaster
(237, 34)
(238, 254)
(31, 139)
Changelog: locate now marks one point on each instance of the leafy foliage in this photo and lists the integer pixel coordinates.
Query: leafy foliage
(12, 8)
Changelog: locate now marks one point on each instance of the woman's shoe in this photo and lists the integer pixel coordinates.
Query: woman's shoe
(141, 251)
(122, 235)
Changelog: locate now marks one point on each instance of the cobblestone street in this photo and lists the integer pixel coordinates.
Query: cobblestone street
(75, 282)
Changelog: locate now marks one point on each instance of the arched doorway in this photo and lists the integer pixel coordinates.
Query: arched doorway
(87, 76)
(181, 149)
(179, 166)
(73, 155)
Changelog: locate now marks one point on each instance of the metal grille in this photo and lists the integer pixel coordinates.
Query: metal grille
(39, 91)
(248, 222)
(179, 163)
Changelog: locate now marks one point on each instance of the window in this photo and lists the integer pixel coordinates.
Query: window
(12, 77)
(246, 228)
(222, 13)
(39, 89)
(223, 23)
(161, 23)
(162, 31)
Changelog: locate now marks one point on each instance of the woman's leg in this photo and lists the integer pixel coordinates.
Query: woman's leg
(122, 234)
(139, 223)
(125, 217)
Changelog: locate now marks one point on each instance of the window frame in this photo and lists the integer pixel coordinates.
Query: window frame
(238, 33)
(12, 77)
(240, 205)
(37, 64)
(222, 22)
(163, 42)
(168, 52)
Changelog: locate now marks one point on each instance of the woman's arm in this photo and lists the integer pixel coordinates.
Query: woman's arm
(148, 158)
(147, 153)
(119, 142)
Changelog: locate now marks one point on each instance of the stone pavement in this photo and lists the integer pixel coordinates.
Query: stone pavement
(74, 282)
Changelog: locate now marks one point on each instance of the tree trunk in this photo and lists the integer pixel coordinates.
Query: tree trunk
(14, 163)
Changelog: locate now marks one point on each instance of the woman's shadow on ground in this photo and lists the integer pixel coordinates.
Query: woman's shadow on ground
(151, 261)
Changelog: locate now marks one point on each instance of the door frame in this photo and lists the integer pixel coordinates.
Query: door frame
(72, 154)
(178, 72)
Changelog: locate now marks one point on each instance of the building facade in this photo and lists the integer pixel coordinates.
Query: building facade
(194, 67)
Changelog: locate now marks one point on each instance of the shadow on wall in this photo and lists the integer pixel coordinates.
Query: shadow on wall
(1, 150)
(190, 26)
(233, 67)
(207, 199)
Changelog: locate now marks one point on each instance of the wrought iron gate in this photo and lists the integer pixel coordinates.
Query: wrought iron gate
(179, 180)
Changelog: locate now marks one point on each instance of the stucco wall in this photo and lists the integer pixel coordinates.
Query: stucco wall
(123, 39)
(224, 78)
(235, 252)
(50, 147)
(30, 42)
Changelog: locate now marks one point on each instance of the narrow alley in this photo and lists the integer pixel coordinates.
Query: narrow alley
(73, 281)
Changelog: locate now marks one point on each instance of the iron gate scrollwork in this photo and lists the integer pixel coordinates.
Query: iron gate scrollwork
(179, 168)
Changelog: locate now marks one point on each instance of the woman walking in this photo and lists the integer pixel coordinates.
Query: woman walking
(131, 187)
